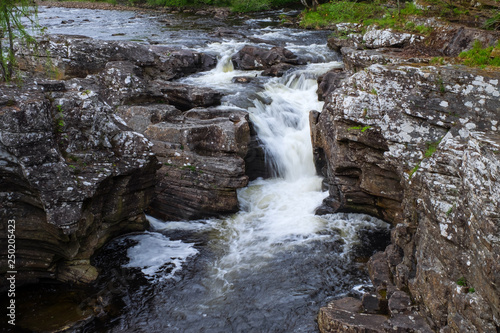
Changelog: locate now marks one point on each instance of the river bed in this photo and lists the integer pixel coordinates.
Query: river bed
(267, 268)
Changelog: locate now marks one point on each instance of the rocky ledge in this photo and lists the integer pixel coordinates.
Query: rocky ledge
(418, 146)
(79, 155)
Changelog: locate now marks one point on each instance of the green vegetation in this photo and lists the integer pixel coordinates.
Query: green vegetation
(11, 13)
(59, 119)
(235, 5)
(431, 148)
(412, 171)
(380, 14)
(363, 129)
(462, 282)
(448, 212)
(481, 57)
(369, 13)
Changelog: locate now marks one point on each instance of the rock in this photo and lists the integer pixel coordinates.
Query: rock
(202, 153)
(253, 57)
(399, 302)
(225, 32)
(242, 79)
(418, 146)
(52, 85)
(344, 316)
(354, 41)
(79, 56)
(453, 39)
(329, 82)
(374, 38)
(186, 97)
(72, 176)
(277, 70)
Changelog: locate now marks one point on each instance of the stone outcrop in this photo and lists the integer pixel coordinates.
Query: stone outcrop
(419, 147)
(71, 175)
(201, 149)
(202, 153)
(384, 46)
(78, 56)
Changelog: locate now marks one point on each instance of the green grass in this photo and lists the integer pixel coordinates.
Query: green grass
(479, 56)
(462, 282)
(431, 148)
(341, 11)
(337, 11)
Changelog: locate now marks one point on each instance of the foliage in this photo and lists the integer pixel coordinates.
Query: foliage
(493, 23)
(462, 282)
(250, 5)
(431, 148)
(363, 129)
(168, 3)
(341, 11)
(11, 27)
(481, 57)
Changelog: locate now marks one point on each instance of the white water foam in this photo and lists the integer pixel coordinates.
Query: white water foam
(158, 257)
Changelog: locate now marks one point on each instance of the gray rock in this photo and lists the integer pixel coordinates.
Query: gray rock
(72, 176)
(418, 146)
(254, 57)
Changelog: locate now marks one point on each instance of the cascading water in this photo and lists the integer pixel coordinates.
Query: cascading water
(268, 268)
(271, 266)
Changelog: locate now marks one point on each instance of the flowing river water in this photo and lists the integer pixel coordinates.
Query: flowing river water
(269, 267)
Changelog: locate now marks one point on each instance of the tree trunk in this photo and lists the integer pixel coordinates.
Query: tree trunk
(11, 59)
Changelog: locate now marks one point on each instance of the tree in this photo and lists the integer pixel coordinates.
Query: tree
(12, 12)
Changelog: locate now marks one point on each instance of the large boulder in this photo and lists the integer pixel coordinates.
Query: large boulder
(418, 146)
(254, 57)
(202, 153)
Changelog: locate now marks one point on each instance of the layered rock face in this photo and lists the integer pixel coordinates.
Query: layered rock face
(201, 148)
(71, 175)
(419, 147)
(75, 166)
(202, 153)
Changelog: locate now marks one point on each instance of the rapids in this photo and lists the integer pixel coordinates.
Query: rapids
(269, 267)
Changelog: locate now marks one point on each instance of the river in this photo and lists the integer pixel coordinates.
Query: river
(269, 267)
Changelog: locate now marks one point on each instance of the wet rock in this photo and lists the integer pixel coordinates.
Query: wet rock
(418, 147)
(277, 70)
(329, 82)
(253, 57)
(225, 32)
(242, 79)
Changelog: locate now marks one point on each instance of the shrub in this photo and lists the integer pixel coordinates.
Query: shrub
(479, 56)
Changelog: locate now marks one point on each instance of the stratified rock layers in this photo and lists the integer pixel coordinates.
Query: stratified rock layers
(420, 147)
(71, 176)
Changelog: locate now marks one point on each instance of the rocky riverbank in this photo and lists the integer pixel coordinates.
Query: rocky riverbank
(80, 154)
(418, 146)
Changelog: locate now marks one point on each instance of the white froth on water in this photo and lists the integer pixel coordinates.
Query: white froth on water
(157, 256)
